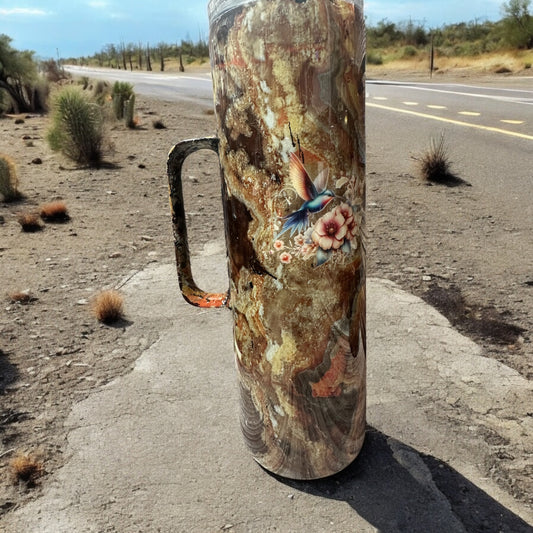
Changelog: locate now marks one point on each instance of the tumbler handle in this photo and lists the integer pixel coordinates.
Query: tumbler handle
(190, 291)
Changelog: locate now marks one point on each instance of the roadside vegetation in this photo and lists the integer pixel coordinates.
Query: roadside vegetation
(143, 56)
(77, 126)
(505, 46)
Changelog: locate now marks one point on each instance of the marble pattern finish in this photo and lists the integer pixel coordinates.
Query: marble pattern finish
(288, 81)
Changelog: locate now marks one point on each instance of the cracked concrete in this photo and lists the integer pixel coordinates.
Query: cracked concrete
(159, 450)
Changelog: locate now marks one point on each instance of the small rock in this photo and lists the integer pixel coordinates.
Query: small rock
(83, 301)
(146, 238)
(115, 255)
(426, 278)
(141, 165)
(37, 161)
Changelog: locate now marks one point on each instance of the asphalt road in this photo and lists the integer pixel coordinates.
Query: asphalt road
(488, 131)
(488, 128)
(165, 86)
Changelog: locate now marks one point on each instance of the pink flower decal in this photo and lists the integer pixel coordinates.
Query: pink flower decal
(279, 245)
(330, 231)
(308, 250)
(299, 240)
(285, 258)
(347, 212)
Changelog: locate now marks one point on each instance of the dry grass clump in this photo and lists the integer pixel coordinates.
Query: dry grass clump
(434, 163)
(435, 166)
(21, 297)
(29, 222)
(25, 468)
(108, 306)
(54, 212)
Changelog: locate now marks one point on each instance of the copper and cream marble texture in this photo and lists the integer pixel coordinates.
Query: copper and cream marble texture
(288, 81)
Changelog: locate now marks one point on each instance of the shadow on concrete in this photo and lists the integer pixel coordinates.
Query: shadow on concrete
(8, 373)
(397, 489)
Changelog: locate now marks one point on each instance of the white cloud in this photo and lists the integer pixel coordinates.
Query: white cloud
(98, 4)
(22, 11)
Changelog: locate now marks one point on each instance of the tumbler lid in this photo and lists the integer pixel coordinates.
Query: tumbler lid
(216, 8)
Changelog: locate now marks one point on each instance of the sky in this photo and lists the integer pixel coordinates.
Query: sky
(75, 28)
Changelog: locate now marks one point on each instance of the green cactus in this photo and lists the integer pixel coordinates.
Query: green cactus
(122, 92)
(8, 179)
(129, 110)
(77, 126)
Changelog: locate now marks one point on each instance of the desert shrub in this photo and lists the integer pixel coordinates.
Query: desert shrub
(25, 468)
(435, 162)
(8, 179)
(518, 23)
(84, 82)
(29, 222)
(54, 212)
(409, 51)
(18, 74)
(107, 306)
(122, 92)
(77, 126)
(39, 95)
(52, 71)
(21, 297)
(374, 58)
(100, 87)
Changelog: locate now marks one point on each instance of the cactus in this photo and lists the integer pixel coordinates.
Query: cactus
(118, 106)
(77, 126)
(8, 179)
(129, 109)
(122, 91)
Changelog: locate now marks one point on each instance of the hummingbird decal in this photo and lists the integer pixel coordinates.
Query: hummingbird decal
(314, 194)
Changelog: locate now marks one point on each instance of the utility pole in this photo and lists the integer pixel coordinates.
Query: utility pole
(431, 58)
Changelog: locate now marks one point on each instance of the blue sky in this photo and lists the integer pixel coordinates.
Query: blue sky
(82, 27)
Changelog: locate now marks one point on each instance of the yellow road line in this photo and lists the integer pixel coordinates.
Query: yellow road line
(451, 121)
(410, 103)
(380, 98)
(512, 121)
(437, 106)
(470, 113)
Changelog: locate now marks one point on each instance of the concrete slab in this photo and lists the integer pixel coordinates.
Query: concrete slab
(160, 450)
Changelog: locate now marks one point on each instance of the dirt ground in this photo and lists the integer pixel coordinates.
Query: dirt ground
(53, 352)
